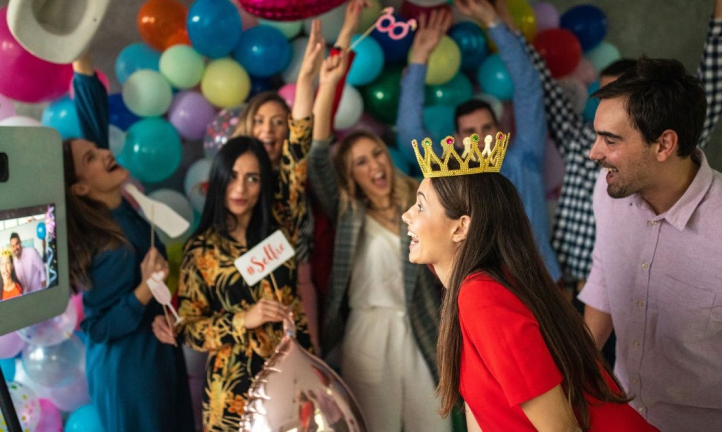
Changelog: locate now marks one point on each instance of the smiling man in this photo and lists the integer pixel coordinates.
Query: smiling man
(656, 278)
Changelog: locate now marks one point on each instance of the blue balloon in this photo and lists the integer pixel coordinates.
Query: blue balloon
(439, 123)
(213, 27)
(40, 231)
(494, 78)
(135, 57)
(152, 150)
(399, 160)
(263, 51)
(62, 115)
(120, 115)
(396, 51)
(587, 22)
(367, 64)
(472, 43)
(590, 109)
(84, 419)
(8, 368)
(453, 92)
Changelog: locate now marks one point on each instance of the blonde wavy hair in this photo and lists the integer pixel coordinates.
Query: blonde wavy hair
(245, 118)
(403, 190)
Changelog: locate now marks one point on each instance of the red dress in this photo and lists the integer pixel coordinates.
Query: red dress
(505, 361)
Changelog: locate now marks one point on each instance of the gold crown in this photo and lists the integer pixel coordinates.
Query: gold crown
(6, 253)
(487, 160)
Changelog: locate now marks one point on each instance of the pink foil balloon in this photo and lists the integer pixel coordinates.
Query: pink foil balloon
(288, 93)
(288, 10)
(6, 107)
(24, 77)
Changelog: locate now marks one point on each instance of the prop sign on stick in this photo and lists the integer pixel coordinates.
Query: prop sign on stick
(159, 213)
(162, 294)
(264, 258)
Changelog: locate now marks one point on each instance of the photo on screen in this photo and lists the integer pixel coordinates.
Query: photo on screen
(28, 251)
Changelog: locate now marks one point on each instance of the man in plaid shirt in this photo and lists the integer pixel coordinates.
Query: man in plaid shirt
(574, 229)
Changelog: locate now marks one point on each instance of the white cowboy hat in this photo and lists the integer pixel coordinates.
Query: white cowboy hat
(58, 31)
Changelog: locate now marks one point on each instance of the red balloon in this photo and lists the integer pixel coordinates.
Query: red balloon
(24, 77)
(410, 10)
(158, 20)
(288, 10)
(560, 49)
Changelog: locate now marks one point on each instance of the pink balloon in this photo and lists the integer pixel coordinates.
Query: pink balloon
(6, 107)
(288, 93)
(101, 76)
(24, 77)
(50, 418)
(546, 15)
(247, 20)
(77, 300)
(10, 345)
(585, 72)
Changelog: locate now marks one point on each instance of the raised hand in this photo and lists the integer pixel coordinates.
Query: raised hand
(313, 57)
(333, 69)
(429, 33)
(350, 22)
(480, 10)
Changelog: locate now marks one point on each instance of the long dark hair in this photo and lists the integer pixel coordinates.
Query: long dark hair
(500, 243)
(215, 213)
(91, 227)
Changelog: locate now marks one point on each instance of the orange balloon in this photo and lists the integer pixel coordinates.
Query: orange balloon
(178, 38)
(159, 20)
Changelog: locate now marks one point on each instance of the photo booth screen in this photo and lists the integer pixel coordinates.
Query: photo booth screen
(28, 250)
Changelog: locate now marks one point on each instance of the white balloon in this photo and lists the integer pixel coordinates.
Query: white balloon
(178, 202)
(495, 103)
(331, 23)
(350, 108)
(194, 185)
(298, 48)
(19, 121)
(116, 137)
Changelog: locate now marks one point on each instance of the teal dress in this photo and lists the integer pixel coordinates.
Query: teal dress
(136, 382)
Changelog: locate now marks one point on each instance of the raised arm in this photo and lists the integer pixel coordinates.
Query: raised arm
(710, 73)
(91, 102)
(303, 105)
(410, 120)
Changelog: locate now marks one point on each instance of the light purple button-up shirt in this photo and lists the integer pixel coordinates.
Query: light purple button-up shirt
(660, 278)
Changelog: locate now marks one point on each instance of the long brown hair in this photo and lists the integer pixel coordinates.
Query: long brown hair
(403, 188)
(91, 228)
(500, 243)
(245, 123)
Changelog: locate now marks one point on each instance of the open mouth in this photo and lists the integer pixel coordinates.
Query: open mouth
(380, 180)
(414, 239)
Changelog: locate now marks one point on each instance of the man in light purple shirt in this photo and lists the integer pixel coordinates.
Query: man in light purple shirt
(28, 265)
(656, 278)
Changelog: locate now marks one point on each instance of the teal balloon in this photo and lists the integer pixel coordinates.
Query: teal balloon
(399, 160)
(152, 150)
(590, 109)
(133, 58)
(8, 368)
(84, 419)
(40, 231)
(439, 123)
(263, 51)
(603, 55)
(368, 62)
(451, 93)
(494, 78)
(381, 97)
(62, 115)
(214, 27)
(147, 94)
(182, 66)
(472, 43)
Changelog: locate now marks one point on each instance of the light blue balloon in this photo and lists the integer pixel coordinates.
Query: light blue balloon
(368, 62)
(84, 419)
(439, 123)
(62, 115)
(603, 55)
(8, 368)
(214, 27)
(152, 150)
(136, 57)
(40, 231)
(494, 78)
(263, 51)
(590, 109)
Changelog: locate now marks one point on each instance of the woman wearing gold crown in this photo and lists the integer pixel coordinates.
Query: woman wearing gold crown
(381, 310)
(510, 345)
(9, 283)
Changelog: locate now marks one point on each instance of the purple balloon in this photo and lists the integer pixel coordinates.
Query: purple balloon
(547, 16)
(24, 77)
(10, 345)
(190, 113)
(72, 397)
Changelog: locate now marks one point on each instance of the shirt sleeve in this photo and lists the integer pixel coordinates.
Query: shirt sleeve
(508, 339)
(410, 119)
(594, 293)
(710, 73)
(528, 101)
(111, 310)
(91, 102)
(204, 329)
(322, 177)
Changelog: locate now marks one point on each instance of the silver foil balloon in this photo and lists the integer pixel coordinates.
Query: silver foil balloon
(297, 392)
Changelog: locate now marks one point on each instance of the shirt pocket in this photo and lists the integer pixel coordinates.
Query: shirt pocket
(685, 311)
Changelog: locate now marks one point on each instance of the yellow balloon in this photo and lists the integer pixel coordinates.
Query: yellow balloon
(524, 18)
(444, 62)
(175, 255)
(225, 83)
(369, 15)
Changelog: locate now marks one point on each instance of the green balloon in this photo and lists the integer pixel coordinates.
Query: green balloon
(381, 97)
(182, 66)
(451, 93)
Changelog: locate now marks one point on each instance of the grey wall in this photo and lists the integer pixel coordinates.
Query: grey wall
(667, 28)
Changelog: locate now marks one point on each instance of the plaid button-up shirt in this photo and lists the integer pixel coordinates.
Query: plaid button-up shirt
(574, 233)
